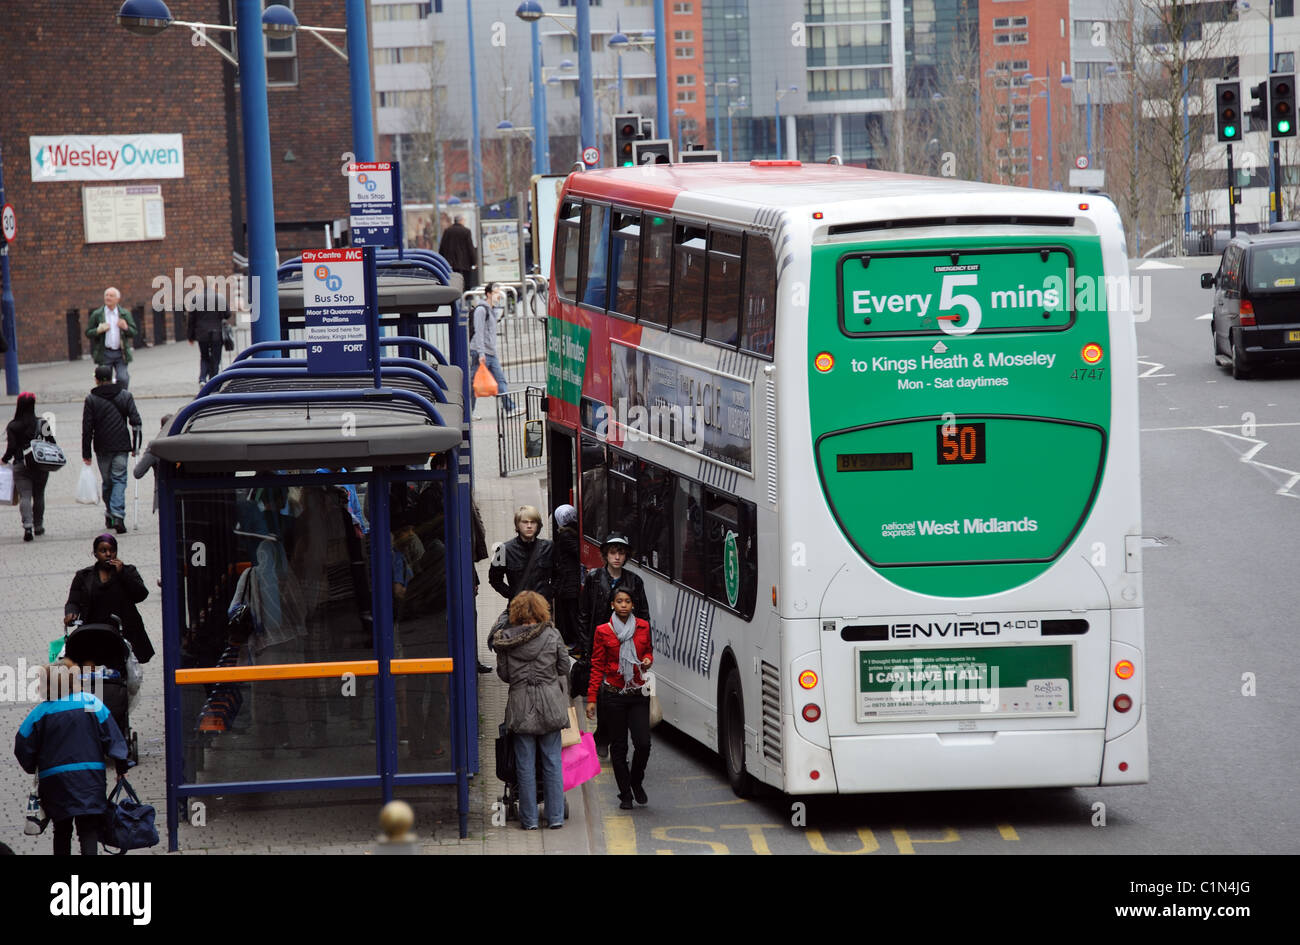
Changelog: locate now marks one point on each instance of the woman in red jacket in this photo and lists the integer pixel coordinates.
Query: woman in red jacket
(620, 650)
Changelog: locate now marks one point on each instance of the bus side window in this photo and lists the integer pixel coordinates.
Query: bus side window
(758, 314)
(656, 270)
(723, 296)
(622, 486)
(567, 249)
(626, 253)
(594, 520)
(595, 283)
(689, 259)
(654, 547)
(689, 566)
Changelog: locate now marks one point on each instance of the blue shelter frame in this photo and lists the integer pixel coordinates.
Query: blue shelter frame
(235, 489)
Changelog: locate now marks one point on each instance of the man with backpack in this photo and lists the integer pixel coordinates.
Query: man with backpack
(483, 343)
(108, 410)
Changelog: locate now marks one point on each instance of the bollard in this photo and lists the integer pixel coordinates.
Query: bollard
(74, 334)
(141, 328)
(159, 326)
(396, 819)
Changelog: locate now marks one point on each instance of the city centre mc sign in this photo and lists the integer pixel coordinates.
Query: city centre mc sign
(106, 157)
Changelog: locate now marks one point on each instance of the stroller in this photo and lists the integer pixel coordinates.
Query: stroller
(507, 773)
(116, 674)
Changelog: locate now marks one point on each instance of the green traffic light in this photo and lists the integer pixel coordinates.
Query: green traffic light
(627, 163)
(1283, 126)
(1230, 131)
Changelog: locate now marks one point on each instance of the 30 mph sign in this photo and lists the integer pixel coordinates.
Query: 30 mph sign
(10, 219)
(591, 156)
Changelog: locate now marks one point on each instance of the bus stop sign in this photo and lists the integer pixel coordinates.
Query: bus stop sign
(334, 306)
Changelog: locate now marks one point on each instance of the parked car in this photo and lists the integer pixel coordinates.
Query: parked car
(1256, 315)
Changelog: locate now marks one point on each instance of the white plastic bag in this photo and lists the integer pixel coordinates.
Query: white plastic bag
(8, 491)
(88, 487)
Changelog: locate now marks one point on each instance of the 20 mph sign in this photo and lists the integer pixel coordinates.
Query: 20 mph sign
(10, 220)
(591, 156)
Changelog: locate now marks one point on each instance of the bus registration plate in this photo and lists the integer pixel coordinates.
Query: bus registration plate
(965, 682)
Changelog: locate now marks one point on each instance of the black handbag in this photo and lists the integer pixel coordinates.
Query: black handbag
(129, 823)
(227, 337)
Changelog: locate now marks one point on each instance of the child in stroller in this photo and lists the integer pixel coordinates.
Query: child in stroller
(108, 669)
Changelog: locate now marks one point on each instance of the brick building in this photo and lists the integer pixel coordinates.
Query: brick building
(72, 74)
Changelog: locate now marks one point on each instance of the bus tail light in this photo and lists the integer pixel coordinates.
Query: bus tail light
(1092, 353)
(1247, 313)
(1124, 669)
(812, 712)
(1123, 703)
(807, 679)
(814, 774)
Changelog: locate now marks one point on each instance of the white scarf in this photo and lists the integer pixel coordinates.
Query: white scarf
(628, 661)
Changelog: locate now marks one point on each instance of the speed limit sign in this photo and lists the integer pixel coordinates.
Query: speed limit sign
(591, 156)
(10, 220)
(1081, 162)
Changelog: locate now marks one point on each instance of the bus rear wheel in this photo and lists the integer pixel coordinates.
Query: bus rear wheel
(731, 735)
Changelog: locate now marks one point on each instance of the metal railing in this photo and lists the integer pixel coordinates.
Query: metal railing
(512, 453)
(1193, 235)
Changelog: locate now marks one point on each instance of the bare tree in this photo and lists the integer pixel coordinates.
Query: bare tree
(1173, 62)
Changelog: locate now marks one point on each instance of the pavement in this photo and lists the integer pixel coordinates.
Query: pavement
(34, 580)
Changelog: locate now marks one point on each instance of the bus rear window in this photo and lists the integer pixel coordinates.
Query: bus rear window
(956, 291)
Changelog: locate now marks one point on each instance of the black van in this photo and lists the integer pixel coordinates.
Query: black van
(1256, 315)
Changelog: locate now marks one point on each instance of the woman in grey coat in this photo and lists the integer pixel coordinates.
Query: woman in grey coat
(532, 658)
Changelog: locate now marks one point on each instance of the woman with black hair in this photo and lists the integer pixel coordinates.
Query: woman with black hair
(29, 482)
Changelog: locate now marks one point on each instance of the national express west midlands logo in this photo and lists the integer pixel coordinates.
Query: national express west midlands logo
(333, 282)
(367, 182)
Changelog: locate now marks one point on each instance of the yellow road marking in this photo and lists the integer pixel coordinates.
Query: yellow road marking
(906, 842)
(1008, 832)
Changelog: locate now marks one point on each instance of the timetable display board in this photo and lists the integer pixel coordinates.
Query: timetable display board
(126, 214)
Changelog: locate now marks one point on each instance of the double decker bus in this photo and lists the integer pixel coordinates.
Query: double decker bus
(874, 441)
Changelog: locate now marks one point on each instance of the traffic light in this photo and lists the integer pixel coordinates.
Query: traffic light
(647, 128)
(659, 151)
(1227, 96)
(1281, 100)
(627, 128)
(700, 157)
(1259, 100)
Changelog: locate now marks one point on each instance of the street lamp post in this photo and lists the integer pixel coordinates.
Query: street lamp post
(530, 11)
(731, 83)
(780, 94)
(1273, 211)
(732, 108)
(1031, 80)
(475, 145)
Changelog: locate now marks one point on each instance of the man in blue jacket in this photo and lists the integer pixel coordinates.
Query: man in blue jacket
(66, 740)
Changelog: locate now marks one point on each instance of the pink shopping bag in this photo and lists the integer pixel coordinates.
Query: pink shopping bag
(580, 762)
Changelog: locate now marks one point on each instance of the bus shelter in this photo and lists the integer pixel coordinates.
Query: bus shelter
(318, 614)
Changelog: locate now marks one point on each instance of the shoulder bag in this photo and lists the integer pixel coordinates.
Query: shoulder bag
(42, 453)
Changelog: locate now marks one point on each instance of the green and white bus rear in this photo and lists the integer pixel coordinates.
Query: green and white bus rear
(939, 505)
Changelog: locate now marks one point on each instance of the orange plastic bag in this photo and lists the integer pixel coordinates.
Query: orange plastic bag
(485, 385)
